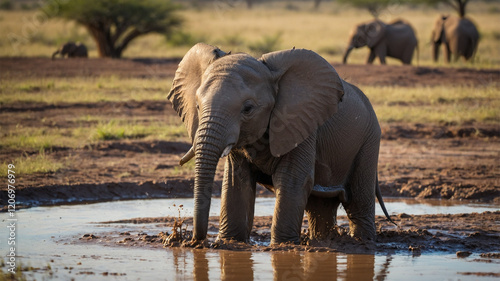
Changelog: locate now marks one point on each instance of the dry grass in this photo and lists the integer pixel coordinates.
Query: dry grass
(82, 90)
(461, 104)
(238, 29)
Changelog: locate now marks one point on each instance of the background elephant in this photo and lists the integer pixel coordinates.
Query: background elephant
(396, 39)
(280, 121)
(72, 50)
(459, 36)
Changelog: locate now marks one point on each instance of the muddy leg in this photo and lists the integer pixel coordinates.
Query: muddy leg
(322, 216)
(361, 185)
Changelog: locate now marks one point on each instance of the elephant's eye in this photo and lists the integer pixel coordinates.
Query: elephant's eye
(247, 108)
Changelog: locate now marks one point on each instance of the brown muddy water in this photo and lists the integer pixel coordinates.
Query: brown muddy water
(48, 247)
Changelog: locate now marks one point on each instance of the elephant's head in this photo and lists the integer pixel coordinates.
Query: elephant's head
(65, 49)
(366, 34)
(231, 101)
(438, 35)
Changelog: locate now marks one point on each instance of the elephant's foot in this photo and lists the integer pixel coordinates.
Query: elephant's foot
(331, 192)
(197, 244)
(362, 229)
(230, 244)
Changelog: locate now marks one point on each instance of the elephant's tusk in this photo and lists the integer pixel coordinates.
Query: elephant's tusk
(188, 156)
(226, 151)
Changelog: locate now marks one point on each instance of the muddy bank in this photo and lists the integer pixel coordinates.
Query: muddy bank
(446, 161)
(413, 162)
(395, 75)
(466, 233)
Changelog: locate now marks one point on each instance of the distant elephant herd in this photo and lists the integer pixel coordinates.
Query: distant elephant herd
(397, 39)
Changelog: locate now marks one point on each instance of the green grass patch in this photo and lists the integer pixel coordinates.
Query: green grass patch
(442, 104)
(39, 163)
(45, 138)
(91, 129)
(116, 130)
(83, 90)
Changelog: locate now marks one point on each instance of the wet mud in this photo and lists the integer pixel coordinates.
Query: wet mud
(463, 234)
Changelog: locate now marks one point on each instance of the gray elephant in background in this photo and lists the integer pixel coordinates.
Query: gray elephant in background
(458, 35)
(72, 50)
(288, 122)
(396, 39)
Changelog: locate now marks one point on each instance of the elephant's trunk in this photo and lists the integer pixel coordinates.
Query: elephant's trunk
(346, 54)
(54, 54)
(210, 143)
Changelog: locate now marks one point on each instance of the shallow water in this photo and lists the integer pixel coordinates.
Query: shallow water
(109, 211)
(43, 238)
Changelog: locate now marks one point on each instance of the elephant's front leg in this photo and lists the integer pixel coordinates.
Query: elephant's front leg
(237, 199)
(447, 51)
(293, 181)
(371, 57)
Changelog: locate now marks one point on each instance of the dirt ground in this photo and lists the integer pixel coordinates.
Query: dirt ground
(417, 160)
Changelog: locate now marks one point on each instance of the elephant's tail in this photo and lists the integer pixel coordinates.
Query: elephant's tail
(418, 62)
(381, 202)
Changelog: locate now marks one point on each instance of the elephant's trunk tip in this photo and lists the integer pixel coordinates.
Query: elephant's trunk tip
(346, 54)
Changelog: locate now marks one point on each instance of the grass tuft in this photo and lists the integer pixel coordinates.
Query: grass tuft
(39, 163)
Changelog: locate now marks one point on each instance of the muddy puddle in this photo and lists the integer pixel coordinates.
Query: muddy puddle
(50, 246)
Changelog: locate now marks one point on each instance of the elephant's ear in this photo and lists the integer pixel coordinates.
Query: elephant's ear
(437, 32)
(188, 79)
(374, 31)
(308, 92)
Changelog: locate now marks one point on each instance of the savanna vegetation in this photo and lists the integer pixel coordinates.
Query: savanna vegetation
(231, 26)
(267, 26)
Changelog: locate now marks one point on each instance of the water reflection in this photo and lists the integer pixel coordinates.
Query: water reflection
(280, 265)
(236, 265)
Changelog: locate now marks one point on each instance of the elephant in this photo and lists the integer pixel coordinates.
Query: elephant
(280, 121)
(459, 36)
(396, 39)
(72, 50)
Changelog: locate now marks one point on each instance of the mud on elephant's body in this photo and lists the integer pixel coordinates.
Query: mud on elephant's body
(396, 39)
(72, 50)
(282, 124)
(459, 37)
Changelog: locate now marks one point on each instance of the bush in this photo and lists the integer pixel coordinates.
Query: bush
(268, 44)
(181, 38)
(6, 5)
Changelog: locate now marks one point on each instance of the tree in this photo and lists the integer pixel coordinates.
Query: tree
(457, 5)
(316, 4)
(373, 6)
(113, 24)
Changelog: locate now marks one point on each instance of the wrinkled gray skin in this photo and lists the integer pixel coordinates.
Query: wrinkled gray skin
(72, 50)
(396, 39)
(459, 37)
(281, 123)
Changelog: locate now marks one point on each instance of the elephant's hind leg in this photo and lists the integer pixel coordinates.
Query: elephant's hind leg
(322, 217)
(361, 185)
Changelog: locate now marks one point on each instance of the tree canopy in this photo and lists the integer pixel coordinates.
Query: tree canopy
(457, 5)
(113, 24)
(376, 6)
(373, 6)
